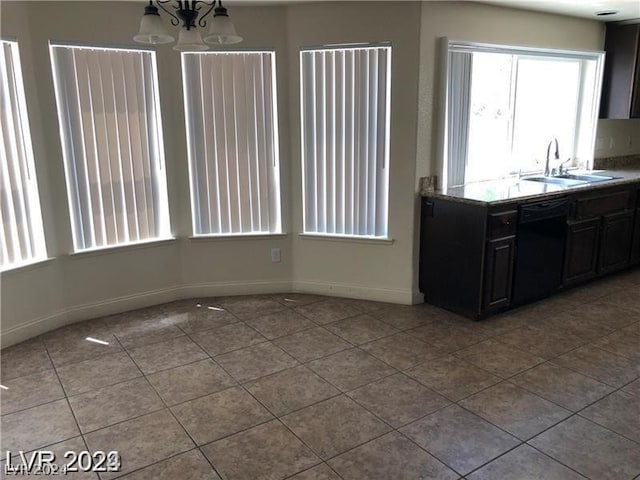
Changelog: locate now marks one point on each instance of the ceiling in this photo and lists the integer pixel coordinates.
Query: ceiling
(627, 9)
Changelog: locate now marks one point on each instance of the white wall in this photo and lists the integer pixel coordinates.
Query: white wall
(72, 287)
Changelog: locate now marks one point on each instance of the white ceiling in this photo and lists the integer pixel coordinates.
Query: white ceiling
(627, 9)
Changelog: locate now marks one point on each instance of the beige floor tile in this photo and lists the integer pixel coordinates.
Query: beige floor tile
(220, 414)
(37, 427)
(328, 311)
(136, 332)
(460, 439)
(79, 349)
(633, 387)
(30, 391)
(392, 456)
(515, 410)
(622, 343)
(398, 399)
(311, 344)
(402, 351)
(279, 324)
(452, 377)
(24, 359)
(619, 412)
(361, 329)
(611, 316)
(334, 426)
(228, 338)
(572, 323)
(590, 449)
(560, 385)
(115, 403)
(141, 441)
(267, 451)
(290, 390)
(599, 364)
(254, 362)
(446, 336)
(297, 299)
(628, 298)
(525, 463)
(542, 342)
(164, 355)
(319, 472)
(498, 358)
(350, 369)
(403, 317)
(187, 466)
(202, 318)
(60, 461)
(98, 372)
(250, 307)
(187, 382)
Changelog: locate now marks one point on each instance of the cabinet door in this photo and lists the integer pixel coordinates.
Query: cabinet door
(581, 253)
(615, 246)
(498, 273)
(635, 247)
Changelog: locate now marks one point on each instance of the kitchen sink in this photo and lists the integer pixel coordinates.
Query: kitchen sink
(586, 177)
(570, 180)
(566, 182)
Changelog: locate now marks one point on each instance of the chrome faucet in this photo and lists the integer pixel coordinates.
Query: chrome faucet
(556, 155)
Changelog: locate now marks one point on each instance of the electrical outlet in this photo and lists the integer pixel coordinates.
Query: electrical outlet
(275, 255)
(612, 143)
(601, 143)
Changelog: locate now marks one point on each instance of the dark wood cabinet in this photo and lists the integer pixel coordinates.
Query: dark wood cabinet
(615, 250)
(621, 80)
(599, 234)
(581, 253)
(466, 255)
(635, 247)
(500, 254)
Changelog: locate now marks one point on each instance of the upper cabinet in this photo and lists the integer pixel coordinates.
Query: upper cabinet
(621, 82)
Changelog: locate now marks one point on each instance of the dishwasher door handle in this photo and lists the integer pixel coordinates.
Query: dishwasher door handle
(541, 210)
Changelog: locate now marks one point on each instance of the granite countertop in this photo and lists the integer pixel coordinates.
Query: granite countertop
(503, 191)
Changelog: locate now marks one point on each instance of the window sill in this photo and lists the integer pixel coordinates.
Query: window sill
(226, 238)
(156, 242)
(23, 267)
(347, 239)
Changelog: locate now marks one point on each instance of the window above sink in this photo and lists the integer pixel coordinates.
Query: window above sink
(504, 105)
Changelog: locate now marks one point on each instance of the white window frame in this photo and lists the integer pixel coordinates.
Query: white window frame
(452, 148)
(22, 239)
(336, 155)
(114, 162)
(231, 117)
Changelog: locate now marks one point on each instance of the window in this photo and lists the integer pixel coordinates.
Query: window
(345, 100)
(506, 104)
(232, 136)
(112, 143)
(22, 236)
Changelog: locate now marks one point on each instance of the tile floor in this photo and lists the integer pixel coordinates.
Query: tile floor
(307, 387)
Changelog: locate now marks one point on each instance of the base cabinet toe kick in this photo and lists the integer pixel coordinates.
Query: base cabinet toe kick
(478, 259)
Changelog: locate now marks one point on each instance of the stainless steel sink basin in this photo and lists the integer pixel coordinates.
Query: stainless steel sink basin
(586, 177)
(566, 182)
(570, 180)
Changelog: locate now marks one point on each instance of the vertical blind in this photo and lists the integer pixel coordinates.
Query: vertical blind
(232, 137)
(112, 142)
(22, 236)
(345, 99)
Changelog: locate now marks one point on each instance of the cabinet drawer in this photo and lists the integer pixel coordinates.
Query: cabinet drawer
(502, 224)
(603, 204)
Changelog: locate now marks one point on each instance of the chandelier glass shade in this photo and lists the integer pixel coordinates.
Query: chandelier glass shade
(191, 16)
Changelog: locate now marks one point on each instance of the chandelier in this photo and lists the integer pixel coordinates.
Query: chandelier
(188, 15)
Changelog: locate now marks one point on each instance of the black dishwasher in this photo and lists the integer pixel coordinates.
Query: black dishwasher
(540, 247)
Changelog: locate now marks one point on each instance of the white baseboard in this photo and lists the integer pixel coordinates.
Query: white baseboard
(69, 315)
(361, 292)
